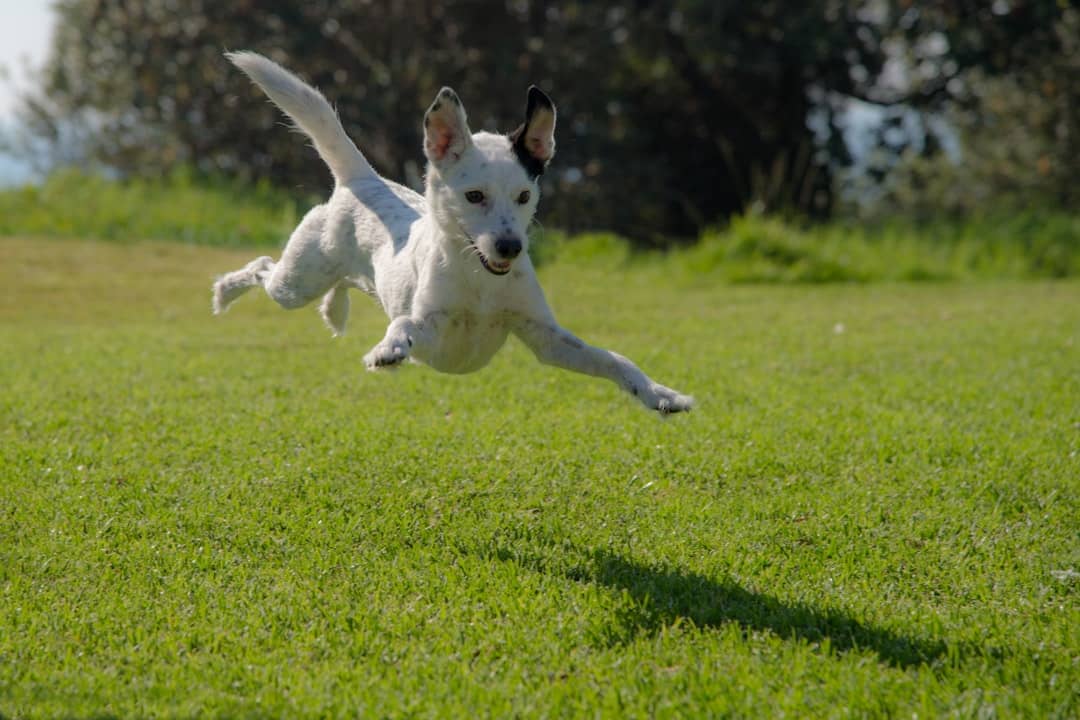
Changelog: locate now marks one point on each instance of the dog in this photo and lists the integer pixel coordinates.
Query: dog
(450, 267)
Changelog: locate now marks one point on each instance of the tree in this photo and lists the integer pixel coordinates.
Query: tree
(672, 115)
(1006, 75)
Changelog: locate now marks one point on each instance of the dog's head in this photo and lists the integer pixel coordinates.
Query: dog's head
(483, 188)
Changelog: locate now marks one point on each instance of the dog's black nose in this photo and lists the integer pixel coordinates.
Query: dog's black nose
(508, 247)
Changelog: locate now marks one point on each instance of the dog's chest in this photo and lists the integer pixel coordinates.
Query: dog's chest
(466, 341)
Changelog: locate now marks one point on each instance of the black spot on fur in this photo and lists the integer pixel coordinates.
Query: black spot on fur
(536, 100)
(533, 168)
(435, 107)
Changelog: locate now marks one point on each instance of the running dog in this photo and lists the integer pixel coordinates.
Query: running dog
(450, 267)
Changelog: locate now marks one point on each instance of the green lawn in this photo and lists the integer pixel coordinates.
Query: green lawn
(873, 511)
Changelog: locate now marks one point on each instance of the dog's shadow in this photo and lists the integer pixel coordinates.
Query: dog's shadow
(663, 596)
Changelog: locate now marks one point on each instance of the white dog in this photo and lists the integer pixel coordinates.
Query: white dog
(450, 267)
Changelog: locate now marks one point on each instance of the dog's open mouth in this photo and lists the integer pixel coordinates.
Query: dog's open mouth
(494, 267)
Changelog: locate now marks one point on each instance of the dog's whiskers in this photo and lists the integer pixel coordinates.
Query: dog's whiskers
(472, 249)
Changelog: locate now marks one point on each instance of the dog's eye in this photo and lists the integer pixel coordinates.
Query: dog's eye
(474, 196)
(523, 197)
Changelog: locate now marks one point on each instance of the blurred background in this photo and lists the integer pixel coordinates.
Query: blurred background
(674, 117)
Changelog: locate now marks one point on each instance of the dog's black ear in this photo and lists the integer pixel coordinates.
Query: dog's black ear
(534, 140)
(446, 131)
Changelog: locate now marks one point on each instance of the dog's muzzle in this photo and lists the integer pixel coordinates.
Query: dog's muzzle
(493, 266)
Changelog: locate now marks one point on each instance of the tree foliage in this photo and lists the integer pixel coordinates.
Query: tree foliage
(672, 115)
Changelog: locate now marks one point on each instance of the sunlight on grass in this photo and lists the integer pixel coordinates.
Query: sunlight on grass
(872, 512)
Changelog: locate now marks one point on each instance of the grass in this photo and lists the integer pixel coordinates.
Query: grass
(179, 207)
(183, 207)
(1028, 244)
(873, 511)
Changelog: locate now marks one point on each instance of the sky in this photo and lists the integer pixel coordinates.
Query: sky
(25, 28)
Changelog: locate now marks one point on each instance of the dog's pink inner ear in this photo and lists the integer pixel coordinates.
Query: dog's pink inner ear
(445, 138)
(439, 137)
(446, 132)
(540, 135)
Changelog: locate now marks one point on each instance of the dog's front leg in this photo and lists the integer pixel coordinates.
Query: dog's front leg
(401, 335)
(553, 345)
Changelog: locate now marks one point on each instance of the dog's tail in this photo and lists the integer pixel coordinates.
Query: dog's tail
(310, 111)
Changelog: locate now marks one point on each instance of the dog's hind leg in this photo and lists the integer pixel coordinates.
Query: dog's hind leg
(232, 285)
(335, 308)
(314, 261)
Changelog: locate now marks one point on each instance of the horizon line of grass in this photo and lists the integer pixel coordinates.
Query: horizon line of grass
(183, 207)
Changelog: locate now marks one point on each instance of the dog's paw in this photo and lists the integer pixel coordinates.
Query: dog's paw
(386, 355)
(666, 401)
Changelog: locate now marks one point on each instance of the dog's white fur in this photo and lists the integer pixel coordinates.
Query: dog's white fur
(452, 273)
